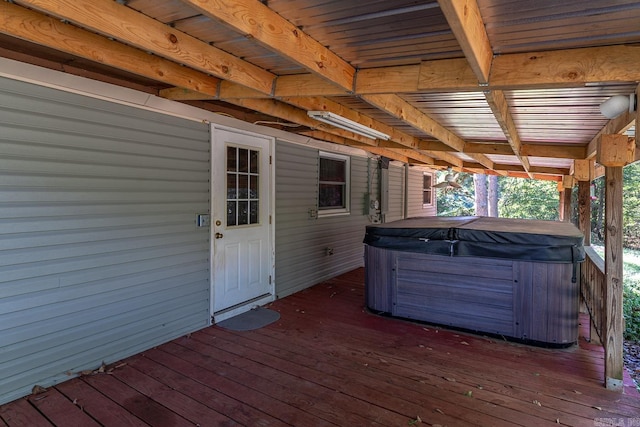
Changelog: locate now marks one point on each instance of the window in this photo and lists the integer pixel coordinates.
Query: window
(333, 184)
(243, 177)
(427, 189)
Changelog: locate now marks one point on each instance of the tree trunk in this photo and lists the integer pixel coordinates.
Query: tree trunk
(600, 213)
(480, 184)
(493, 196)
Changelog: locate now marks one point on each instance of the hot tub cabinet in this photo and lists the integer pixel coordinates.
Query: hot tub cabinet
(515, 278)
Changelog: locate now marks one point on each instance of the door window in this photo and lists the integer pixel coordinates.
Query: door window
(243, 176)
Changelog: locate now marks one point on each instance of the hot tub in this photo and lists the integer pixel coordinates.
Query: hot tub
(510, 277)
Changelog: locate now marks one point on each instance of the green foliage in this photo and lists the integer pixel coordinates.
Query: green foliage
(631, 294)
(630, 208)
(456, 201)
(528, 199)
(518, 198)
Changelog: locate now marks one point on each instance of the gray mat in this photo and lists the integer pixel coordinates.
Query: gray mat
(253, 319)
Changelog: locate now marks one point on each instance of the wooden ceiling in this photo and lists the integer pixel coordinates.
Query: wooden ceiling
(508, 87)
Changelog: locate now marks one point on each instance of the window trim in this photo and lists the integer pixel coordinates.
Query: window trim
(430, 190)
(346, 210)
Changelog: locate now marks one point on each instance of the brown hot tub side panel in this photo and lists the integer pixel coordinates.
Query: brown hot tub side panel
(519, 299)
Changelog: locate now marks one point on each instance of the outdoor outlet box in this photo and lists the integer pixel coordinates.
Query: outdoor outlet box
(203, 220)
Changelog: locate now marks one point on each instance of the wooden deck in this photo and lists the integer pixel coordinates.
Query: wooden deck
(329, 362)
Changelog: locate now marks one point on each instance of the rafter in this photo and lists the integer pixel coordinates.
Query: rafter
(43, 30)
(498, 103)
(401, 109)
(397, 137)
(400, 155)
(115, 20)
(467, 25)
(254, 19)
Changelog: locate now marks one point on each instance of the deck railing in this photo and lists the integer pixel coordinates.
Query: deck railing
(592, 288)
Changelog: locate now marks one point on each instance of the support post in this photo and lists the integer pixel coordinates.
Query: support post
(565, 187)
(614, 329)
(582, 174)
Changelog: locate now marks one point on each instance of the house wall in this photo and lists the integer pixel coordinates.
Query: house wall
(302, 239)
(396, 192)
(100, 256)
(415, 207)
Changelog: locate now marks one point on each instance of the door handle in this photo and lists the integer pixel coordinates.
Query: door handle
(219, 235)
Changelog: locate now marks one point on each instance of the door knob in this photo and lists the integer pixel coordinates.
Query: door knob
(219, 235)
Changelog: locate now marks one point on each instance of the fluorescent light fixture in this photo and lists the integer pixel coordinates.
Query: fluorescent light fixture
(346, 124)
(616, 105)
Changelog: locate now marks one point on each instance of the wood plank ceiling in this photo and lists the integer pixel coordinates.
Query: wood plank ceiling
(508, 87)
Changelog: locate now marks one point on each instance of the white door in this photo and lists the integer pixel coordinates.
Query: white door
(240, 223)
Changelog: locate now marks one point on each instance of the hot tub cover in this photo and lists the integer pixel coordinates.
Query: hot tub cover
(522, 239)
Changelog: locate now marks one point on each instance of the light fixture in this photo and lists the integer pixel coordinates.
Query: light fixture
(346, 124)
(616, 105)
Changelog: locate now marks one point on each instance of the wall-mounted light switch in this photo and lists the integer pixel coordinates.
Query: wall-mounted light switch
(203, 220)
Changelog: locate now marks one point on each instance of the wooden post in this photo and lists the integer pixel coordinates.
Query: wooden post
(614, 330)
(613, 152)
(582, 173)
(565, 187)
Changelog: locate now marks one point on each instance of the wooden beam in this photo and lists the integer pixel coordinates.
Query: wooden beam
(401, 109)
(615, 150)
(565, 68)
(255, 20)
(306, 85)
(565, 204)
(183, 94)
(115, 20)
(582, 170)
(293, 114)
(467, 25)
(584, 210)
(397, 136)
(34, 27)
(500, 108)
(618, 125)
(613, 364)
(539, 170)
(390, 153)
(558, 151)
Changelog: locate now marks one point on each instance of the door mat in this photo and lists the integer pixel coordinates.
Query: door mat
(255, 318)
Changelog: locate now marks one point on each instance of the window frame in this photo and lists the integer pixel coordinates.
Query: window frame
(346, 210)
(429, 190)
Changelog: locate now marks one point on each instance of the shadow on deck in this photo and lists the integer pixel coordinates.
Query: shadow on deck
(327, 361)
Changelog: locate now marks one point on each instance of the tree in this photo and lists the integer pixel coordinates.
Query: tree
(528, 198)
(493, 196)
(480, 186)
(456, 201)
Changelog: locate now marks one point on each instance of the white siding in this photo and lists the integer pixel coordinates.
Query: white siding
(396, 195)
(100, 257)
(415, 207)
(302, 241)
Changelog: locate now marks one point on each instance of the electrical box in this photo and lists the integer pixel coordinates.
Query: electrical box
(203, 220)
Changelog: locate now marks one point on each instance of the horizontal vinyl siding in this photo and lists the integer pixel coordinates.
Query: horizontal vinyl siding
(415, 208)
(301, 241)
(99, 254)
(395, 210)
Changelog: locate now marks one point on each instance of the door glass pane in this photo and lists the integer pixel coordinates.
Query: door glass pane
(255, 157)
(243, 183)
(243, 160)
(231, 186)
(231, 213)
(243, 186)
(253, 187)
(232, 159)
(243, 212)
(253, 212)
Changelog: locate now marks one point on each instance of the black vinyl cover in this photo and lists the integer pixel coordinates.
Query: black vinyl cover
(521, 239)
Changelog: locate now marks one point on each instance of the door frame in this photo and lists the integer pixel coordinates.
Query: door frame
(241, 308)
